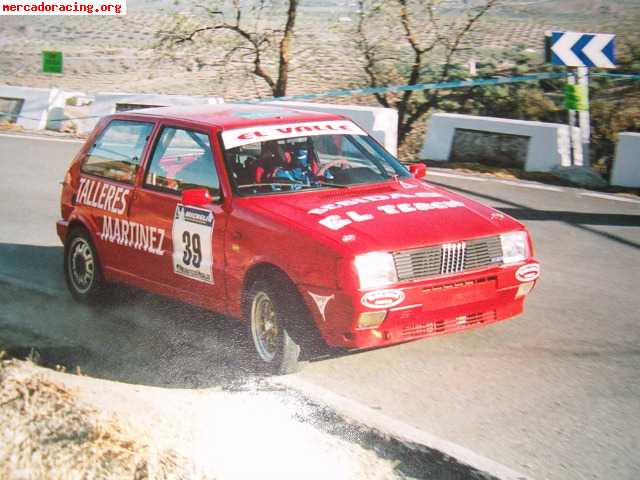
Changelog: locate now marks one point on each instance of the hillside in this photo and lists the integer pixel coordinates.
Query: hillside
(114, 53)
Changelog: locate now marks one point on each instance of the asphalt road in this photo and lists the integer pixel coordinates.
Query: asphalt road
(554, 393)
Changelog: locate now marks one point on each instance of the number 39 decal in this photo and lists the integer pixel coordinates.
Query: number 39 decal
(192, 234)
(192, 253)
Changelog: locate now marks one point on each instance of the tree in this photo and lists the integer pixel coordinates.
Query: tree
(424, 50)
(257, 39)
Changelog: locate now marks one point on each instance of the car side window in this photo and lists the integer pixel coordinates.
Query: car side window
(182, 159)
(118, 150)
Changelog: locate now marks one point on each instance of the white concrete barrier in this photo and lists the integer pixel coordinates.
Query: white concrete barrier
(626, 165)
(548, 147)
(381, 123)
(36, 104)
(108, 103)
(56, 117)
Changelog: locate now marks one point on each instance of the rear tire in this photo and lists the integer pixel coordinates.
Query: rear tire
(82, 267)
(268, 312)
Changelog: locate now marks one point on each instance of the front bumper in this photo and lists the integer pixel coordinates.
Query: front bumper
(430, 307)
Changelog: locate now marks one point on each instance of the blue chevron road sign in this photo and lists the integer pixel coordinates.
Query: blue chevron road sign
(573, 49)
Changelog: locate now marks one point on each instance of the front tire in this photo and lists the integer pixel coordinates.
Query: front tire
(82, 268)
(268, 315)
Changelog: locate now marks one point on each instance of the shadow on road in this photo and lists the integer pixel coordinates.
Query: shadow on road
(575, 218)
(33, 266)
(578, 220)
(134, 337)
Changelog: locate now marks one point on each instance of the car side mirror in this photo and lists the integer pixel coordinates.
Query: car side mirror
(418, 170)
(196, 197)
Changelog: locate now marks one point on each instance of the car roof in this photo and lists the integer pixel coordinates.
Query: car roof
(231, 115)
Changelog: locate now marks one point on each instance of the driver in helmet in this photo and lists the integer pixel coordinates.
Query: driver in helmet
(296, 166)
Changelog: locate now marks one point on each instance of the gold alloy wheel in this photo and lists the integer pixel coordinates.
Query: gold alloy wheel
(264, 327)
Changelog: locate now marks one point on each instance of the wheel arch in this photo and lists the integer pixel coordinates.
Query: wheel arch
(78, 223)
(262, 270)
(298, 329)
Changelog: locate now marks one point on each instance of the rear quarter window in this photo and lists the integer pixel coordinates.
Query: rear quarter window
(118, 151)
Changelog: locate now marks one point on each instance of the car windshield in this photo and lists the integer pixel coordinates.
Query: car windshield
(313, 161)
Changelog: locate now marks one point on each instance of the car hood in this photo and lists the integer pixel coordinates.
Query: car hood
(390, 216)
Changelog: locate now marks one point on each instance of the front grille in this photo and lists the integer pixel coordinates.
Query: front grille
(452, 257)
(448, 325)
(448, 258)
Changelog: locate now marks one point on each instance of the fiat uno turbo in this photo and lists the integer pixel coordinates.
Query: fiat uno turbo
(298, 223)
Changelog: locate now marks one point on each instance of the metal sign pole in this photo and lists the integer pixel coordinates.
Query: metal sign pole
(585, 117)
(571, 80)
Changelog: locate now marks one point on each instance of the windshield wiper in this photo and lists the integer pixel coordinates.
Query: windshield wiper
(270, 184)
(292, 185)
(329, 184)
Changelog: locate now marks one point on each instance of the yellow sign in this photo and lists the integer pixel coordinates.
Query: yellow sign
(576, 97)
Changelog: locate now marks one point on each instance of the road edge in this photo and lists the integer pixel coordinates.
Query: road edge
(408, 435)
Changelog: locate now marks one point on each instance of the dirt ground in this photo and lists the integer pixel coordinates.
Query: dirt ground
(80, 427)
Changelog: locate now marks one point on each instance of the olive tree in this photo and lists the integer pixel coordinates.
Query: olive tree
(407, 42)
(257, 37)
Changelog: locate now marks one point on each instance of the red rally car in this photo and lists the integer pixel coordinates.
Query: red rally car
(296, 222)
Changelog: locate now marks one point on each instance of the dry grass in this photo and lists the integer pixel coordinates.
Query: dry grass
(10, 126)
(45, 432)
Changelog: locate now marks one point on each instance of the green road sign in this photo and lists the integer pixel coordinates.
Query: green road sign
(576, 97)
(51, 61)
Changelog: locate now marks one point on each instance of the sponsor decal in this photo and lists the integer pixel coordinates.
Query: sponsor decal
(497, 216)
(321, 302)
(192, 248)
(133, 235)
(337, 222)
(352, 202)
(244, 136)
(382, 298)
(528, 273)
(103, 196)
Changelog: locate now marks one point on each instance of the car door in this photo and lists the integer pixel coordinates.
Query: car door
(107, 177)
(187, 240)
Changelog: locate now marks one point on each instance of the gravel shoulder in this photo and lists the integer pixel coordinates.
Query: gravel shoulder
(79, 426)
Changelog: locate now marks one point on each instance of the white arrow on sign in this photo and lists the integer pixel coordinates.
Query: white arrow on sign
(562, 48)
(574, 49)
(594, 50)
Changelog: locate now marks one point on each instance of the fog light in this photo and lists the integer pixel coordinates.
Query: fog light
(371, 319)
(524, 289)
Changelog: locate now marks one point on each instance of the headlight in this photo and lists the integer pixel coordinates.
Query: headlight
(376, 269)
(514, 247)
